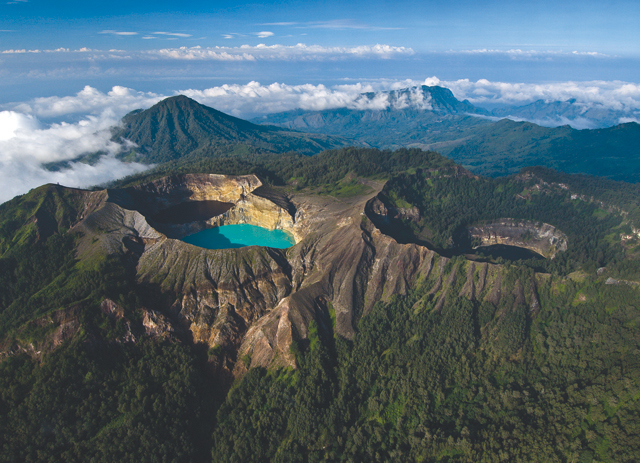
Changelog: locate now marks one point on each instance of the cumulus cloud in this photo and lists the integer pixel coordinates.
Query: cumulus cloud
(119, 101)
(345, 24)
(254, 98)
(199, 53)
(614, 95)
(279, 24)
(25, 145)
(19, 51)
(280, 52)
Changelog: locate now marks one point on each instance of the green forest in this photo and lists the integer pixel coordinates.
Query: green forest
(470, 382)
(552, 379)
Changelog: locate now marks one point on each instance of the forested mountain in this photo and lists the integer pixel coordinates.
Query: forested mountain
(179, 127)
(507, 146)
(391, 331)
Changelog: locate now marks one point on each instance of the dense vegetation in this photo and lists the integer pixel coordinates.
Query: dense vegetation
(297, 171)
(505, 147)
(468, 383)
(471, 382)
(113, 402)
(39, 271)
(464, 381)
(381, 129)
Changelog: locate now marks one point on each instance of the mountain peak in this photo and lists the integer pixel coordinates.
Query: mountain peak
(427, 98)
(182, 103)
(180, 126)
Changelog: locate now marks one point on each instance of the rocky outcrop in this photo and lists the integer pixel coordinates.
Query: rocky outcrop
(543, 238)
(389, 213)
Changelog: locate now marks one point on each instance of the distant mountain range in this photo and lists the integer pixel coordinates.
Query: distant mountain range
(570, 112)
(432, 118)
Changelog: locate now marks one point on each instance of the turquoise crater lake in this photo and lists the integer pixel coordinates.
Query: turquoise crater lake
(238, 236)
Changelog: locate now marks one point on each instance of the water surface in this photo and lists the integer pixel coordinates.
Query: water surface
(238, 236)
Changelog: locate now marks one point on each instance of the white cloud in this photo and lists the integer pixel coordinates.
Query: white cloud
(253, 98)
(280, 52)
(518, 53)
(345, 24)
(174, 34)
(25, 145)
(20, 51)
(112, 32)
(264, 34)
(278, 24)
(12, 123)
(614, 95)
(119, 100)
(199, 53)
(579, 123)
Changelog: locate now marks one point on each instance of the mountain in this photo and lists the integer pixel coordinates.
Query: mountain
(179, 127)
(556, 113)
(469, 136)
(506, 147)
(430, 98)
(391, 119)
(424, 314)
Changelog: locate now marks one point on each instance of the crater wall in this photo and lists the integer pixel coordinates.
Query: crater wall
(543, 238)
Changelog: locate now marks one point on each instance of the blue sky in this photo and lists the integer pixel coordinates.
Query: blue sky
(607, 27)
(52, 47)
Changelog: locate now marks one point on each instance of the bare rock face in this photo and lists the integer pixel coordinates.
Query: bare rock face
(156, 324)
(250, 304)
(544, 239)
